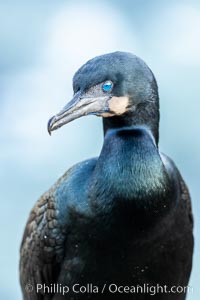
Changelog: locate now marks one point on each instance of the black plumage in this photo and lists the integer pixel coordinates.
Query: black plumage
(123, 218)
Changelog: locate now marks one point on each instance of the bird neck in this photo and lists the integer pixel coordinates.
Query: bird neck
(130, 172)
(146, 114)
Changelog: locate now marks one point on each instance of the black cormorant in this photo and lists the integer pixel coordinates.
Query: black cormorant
(118, 226)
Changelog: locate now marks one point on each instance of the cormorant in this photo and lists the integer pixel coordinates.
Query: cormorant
(118, 226)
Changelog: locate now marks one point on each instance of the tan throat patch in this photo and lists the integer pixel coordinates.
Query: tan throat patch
(118, 105)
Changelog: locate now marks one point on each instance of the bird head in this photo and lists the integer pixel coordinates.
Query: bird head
(117, 86)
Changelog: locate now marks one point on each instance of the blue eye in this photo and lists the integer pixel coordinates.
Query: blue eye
(107, 86)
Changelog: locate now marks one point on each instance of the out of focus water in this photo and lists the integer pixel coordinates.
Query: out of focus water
(42, 45)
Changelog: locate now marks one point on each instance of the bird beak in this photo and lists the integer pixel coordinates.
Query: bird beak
(79, 106)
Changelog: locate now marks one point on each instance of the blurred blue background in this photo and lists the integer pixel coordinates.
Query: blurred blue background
(42, 45)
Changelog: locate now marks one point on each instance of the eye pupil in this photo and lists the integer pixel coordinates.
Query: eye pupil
(107, 86)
